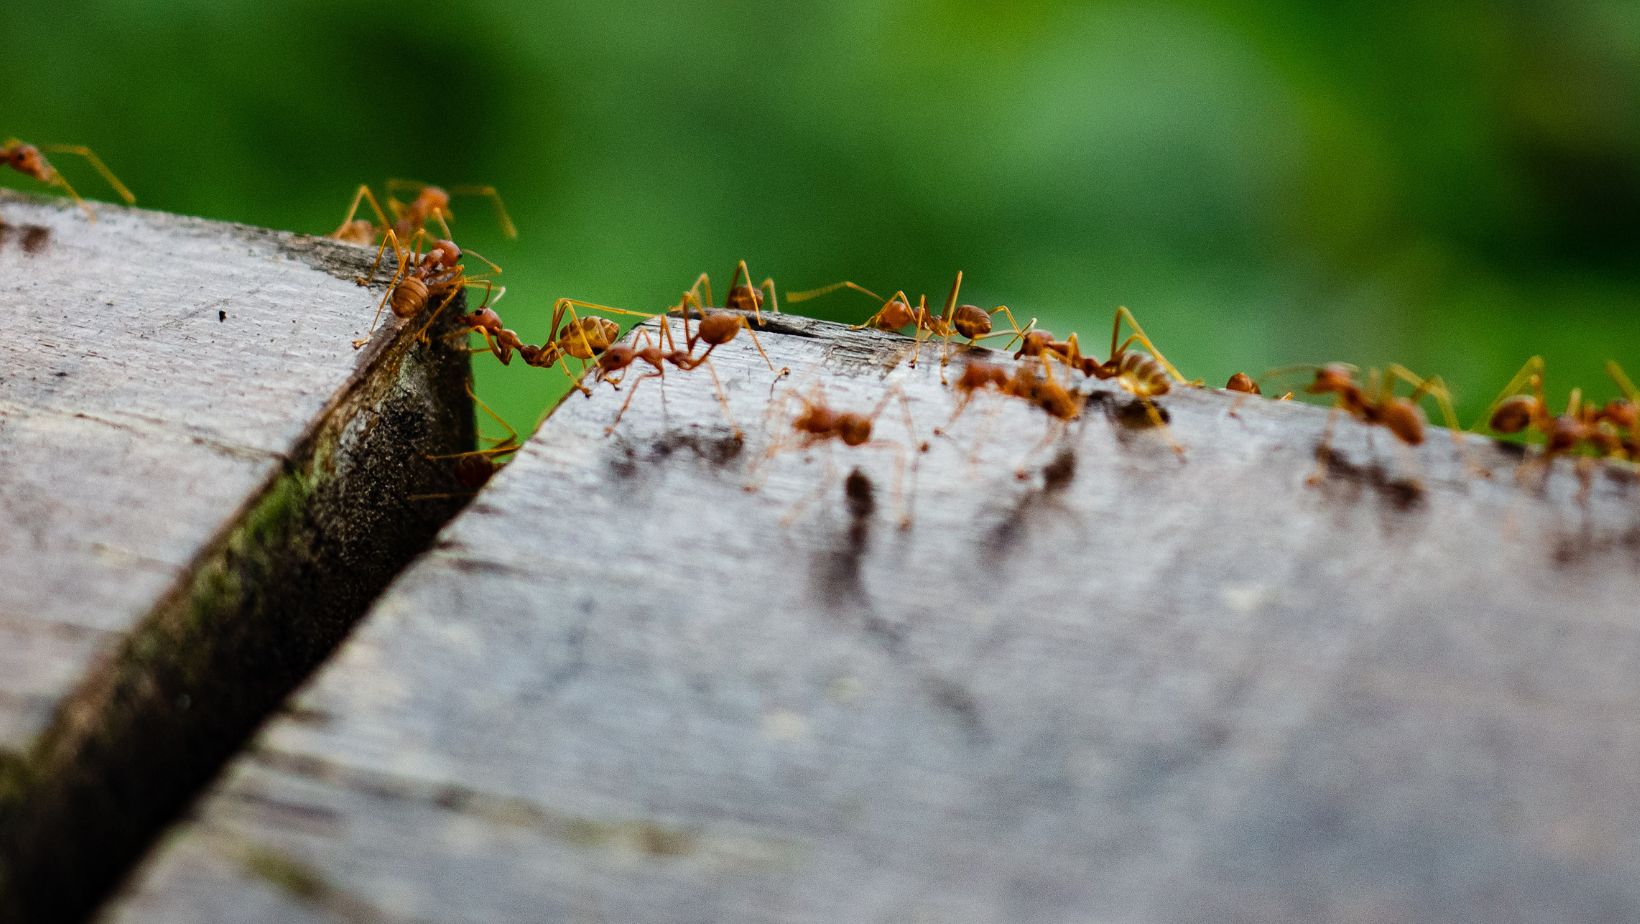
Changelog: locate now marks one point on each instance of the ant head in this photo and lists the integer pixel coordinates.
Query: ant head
(1514, 414)
(854, 429)
(971, 321)
(486, 318)
(615, 358)
(1033, 343)
(27, 159)
(1405, 419)
(434, 198)
(1333, 377)
(444, 254)
(719, 328)
(745, 297)
(1244, 383)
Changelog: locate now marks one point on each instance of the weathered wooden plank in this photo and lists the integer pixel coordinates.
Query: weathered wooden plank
(1119, 688)
(201, 484)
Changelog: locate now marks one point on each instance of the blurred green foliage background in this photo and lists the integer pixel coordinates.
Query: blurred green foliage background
(1451, 185)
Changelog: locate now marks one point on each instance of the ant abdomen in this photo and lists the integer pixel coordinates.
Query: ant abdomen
(971, 321)
(1514, 414)
(744, 297)
(1147, 376)
(409, 297)
(717, 328)
(1404, 419)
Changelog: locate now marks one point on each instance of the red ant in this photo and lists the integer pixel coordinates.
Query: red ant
(474, 468)
(743, 296)
(431, 204)
(1376, 404)
(817, 422)
(714, 331)
(1246, 386)
(720, 327)
(421, 277)
(584, 338)
(1143, 375)
(29, 160)
(499, 340)
(969, 321)
(1026, 382)
(1610, 430)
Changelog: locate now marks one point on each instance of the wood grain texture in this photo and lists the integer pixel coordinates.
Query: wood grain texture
(1119, 687)
(201, 484)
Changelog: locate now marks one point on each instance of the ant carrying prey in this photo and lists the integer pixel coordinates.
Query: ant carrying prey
(30, 161)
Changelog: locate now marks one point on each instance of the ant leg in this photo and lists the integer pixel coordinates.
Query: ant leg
(1323, 449)
(1019, 332)
(692, 295)
(574, 382)
(826, 479)
(950, 306)
(363, 195)
(631, 393)
(767, 285)
(455, 290)
(495, 268)
(1156, 420)
(1621, 378)
(723, 399)
(403, 256)
(741, 270)
(593, 306)
(823, 290)
(61, 181)
(783, 371)
(916, 448)
(507, 444)
(1139, 334)
(1530, 372)
(777, 443)
(80, 150)
(1012, 323)
(489, 192)
(390, 239)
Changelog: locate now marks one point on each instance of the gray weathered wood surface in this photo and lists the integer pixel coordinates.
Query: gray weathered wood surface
(1120, 688)
(179, 403)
